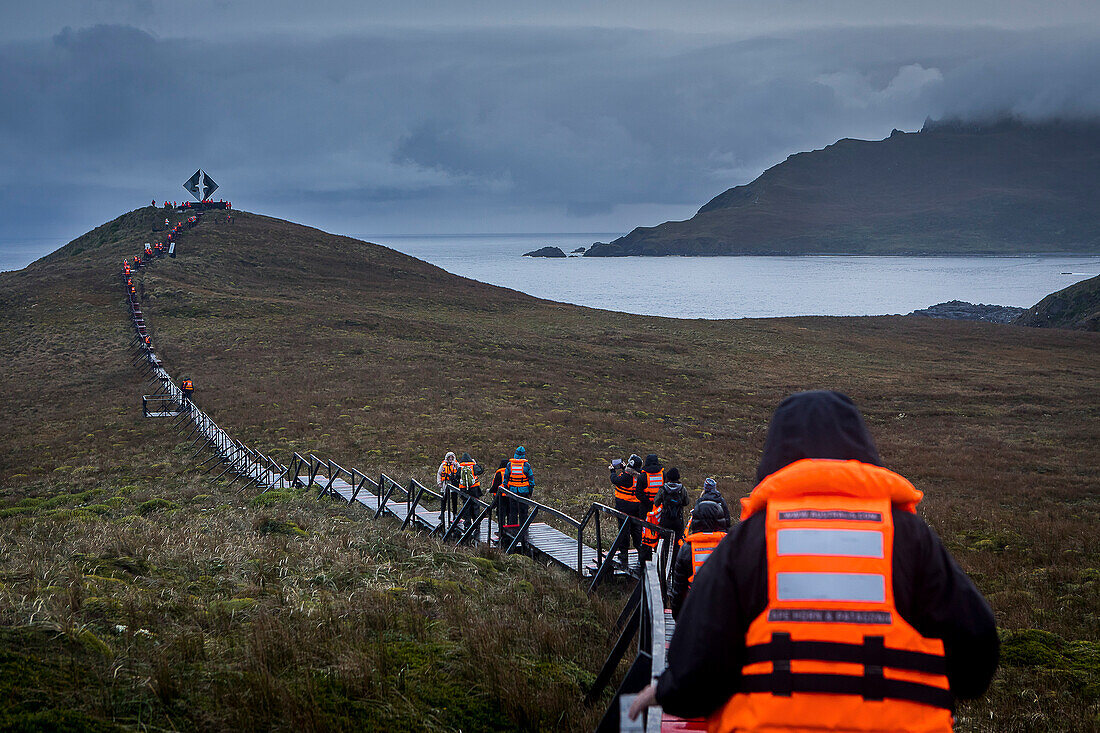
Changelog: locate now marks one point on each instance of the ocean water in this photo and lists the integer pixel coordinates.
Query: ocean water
(743, 287)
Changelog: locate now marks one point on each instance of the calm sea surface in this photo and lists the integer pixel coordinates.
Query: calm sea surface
(744, 287)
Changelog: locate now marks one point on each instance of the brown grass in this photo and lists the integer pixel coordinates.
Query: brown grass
(298, 340)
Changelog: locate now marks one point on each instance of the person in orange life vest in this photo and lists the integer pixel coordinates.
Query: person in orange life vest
(832, 605)
(517, 479)
(649, 535)
(148, 343)
(624, 477)
(446, 478)
(470, 481)
(498, 477)
(708, 527)
(649, 483)
(188, 389)
(126, 267)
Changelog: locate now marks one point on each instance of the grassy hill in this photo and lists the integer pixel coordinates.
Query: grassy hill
(1077, 306)
(282, 612)
(1004, 188)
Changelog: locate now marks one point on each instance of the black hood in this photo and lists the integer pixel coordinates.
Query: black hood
(818, 424)
(652, 464)
(708, 517)
(466, 458)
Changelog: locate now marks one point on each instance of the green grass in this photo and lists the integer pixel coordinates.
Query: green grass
(281, 611)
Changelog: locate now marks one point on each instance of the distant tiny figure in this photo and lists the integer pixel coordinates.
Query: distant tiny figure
(188, 389)
(153, 203)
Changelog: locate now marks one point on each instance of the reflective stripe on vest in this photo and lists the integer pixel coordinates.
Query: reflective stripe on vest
(653, 484)
(517, 479)
(702, 545)
(830, 650)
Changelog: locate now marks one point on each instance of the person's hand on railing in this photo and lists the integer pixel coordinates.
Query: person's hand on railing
(645, 698)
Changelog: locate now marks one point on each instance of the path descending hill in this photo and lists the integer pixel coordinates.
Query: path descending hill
(1001, 188)
(280, 611)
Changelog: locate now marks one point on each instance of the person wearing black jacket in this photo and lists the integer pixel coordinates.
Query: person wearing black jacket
(624, 477)
(671, 497)
(706, 517)
(711, 493)
(650, 480)
(930, 592)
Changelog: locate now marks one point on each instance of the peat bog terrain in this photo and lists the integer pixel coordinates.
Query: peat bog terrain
(136, 593)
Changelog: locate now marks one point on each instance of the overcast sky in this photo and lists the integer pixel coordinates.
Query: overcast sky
(510, 116)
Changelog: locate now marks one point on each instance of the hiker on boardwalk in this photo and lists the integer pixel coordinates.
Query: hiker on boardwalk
(831, 569)
(624, 477)
(446, 478)
(188, 389)
(517, 479)
(711, 493)
(671, 499)
(469, 479)
(650, 482)
(708, 528)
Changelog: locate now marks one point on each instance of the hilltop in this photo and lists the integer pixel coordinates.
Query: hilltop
(1077, 306)
(961, 189)
(285, 612)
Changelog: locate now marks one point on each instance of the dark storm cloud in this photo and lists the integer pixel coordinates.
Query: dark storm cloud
(483, 129)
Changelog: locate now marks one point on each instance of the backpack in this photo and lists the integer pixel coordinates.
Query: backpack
(673, 501)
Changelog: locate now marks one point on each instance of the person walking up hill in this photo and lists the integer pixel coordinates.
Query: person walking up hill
(517, 479)
(470, 480)
(650, 482)
(708, 528)
(625, 477)
(711, 493)
(671, 498)
(446, 479)
(832, 605)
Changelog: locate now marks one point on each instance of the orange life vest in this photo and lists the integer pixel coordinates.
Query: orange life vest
(649, 534)
(470, 465)
(517, 479)
(830, 651)
(449, 471)
(626, 493)
(701, 544)
(187, 386)
(653, 484)
(499, 472)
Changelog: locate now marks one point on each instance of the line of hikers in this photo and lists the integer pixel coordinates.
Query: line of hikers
(513, 474)
(647, 490)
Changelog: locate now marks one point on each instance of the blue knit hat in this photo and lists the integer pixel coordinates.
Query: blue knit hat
(521, 452)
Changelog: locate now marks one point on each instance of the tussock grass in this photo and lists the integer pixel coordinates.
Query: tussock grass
(302, 341)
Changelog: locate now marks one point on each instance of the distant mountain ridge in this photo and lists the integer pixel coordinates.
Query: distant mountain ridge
(1006, 188)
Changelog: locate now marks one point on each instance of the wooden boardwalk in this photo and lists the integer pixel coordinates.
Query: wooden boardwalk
(545, 540)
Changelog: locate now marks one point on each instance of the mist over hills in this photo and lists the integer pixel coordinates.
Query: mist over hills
(1002, 187)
